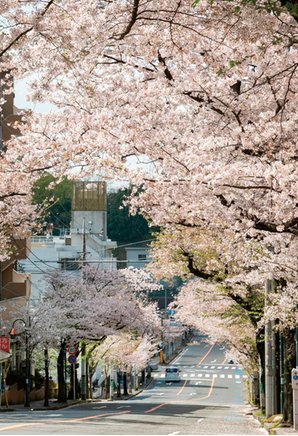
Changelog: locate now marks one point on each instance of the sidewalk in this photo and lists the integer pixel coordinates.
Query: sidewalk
(273, 425)
(55, 405)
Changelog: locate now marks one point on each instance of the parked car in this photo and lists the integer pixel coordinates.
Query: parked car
(153, 365)
(172, 374)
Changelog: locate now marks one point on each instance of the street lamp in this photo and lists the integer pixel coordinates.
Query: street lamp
(13, 333)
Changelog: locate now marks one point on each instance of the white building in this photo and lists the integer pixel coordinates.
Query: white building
(87, 241)
(137, 256)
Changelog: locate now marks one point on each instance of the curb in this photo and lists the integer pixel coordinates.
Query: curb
(43, 408)
(141, 390)
(2, 410)
(62, 406)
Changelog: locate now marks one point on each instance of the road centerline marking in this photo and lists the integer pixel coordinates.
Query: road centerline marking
(178, 393)
(210, 390)
(101, 415)
(155, 408)
(14, 426)
(204, 357)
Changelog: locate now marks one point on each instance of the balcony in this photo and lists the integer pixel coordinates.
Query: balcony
(14, 285)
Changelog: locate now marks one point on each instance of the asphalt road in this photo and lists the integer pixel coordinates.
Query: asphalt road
(209, 399)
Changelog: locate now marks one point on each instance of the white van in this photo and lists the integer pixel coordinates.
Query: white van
(172, 374)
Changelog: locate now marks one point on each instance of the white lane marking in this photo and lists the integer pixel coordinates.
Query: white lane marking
(222, 376)
(226, 367)
(206, 366)
(237, 376)
(123, 407)
(180, 355)
(207, 375)
(174, 433)
(212, 367)
(214, 375)
(192, 375)
(234, 367)
(192, 393)
(230, 376)
(200, 375)
(219, 367)
(200, 420)
(238, 382)
(97, 408)
(184, 375)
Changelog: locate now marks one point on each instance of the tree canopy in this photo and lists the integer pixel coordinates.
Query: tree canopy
(55, 202)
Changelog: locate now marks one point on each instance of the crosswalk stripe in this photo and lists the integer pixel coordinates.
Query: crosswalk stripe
(205, 375)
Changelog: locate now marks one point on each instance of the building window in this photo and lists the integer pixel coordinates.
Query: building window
(142, 257)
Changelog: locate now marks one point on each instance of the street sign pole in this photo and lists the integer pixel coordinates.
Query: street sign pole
(295, 396)
(74, 381)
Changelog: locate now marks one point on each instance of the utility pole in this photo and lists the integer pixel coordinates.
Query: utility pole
(83, 349)
(84, 240)
(269, 359)
(83, 372)
(46, 368)
(296, 340)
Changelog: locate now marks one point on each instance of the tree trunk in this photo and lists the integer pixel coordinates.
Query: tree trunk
(118, 384)
(125, 383)
(261, 352)
(46, 381)
(289, 363)
(61, 374)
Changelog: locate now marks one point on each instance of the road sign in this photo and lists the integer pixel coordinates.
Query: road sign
(72, 359)
(4, 343)
(294, 378)
(72, 349)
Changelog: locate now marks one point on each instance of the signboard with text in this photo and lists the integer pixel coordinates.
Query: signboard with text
(4, 343)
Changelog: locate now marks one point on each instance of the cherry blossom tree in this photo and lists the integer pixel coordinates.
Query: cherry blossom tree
(216, 116)
(95, 306)
(89, 308)
(206, 96)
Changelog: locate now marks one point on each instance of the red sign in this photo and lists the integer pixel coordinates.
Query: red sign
(72, 349)
(4, 343)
